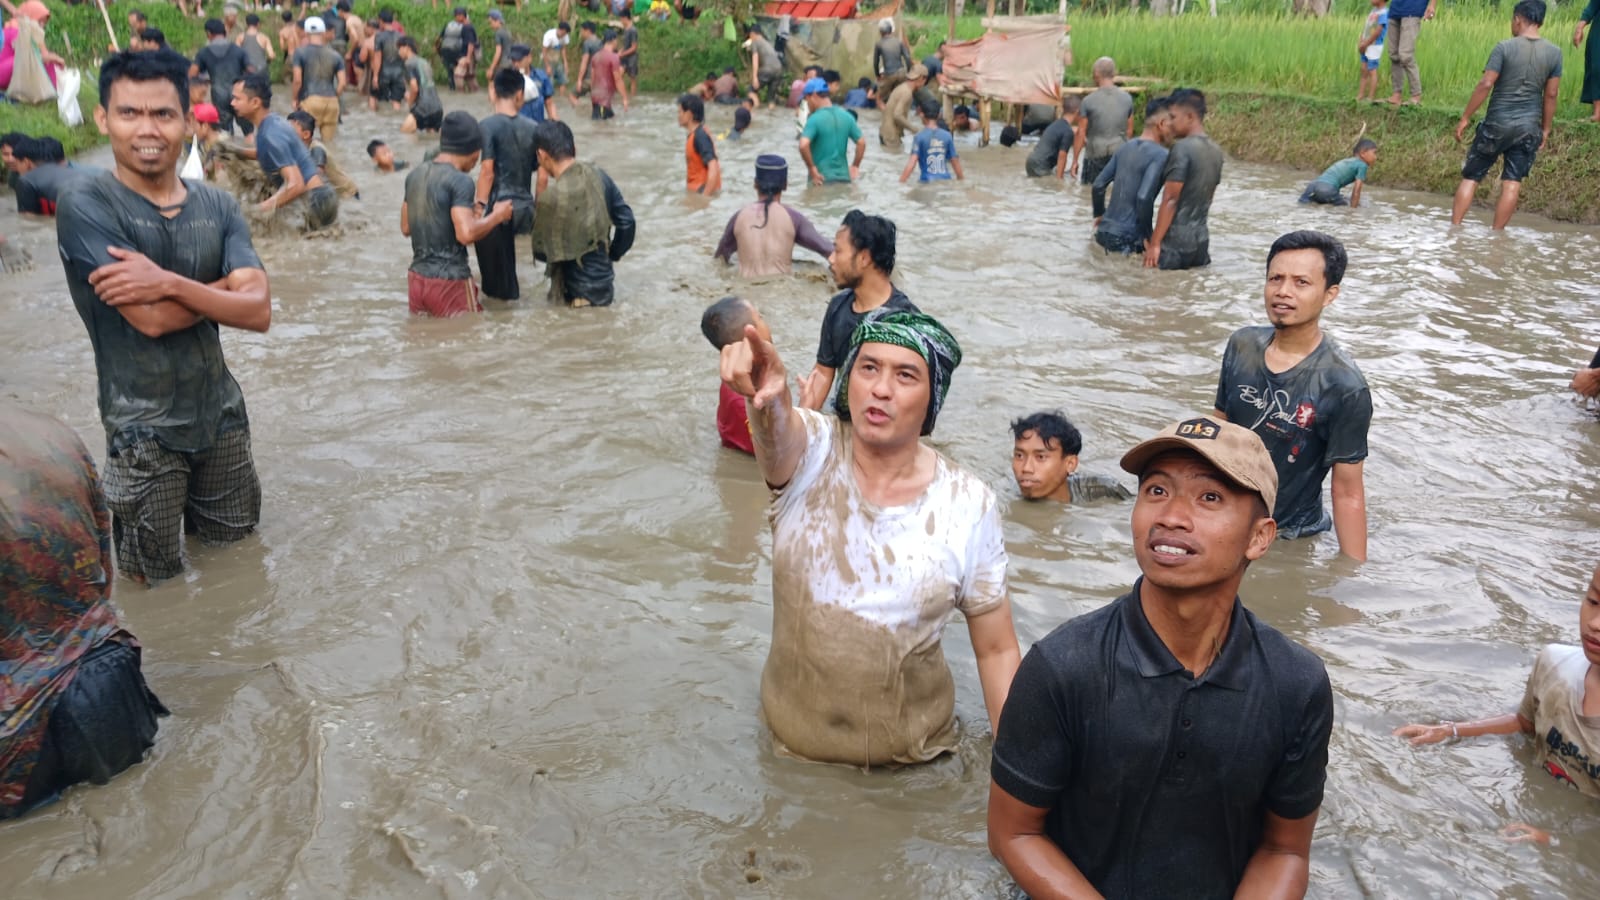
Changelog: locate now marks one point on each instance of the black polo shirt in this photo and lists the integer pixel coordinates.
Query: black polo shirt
(1158, 783)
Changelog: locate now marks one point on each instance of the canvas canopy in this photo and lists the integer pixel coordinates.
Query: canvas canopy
(1018, 61)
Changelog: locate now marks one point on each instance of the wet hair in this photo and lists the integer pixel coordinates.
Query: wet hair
(1156, 107)
(157, 65)
(961, 109)
(288, 15)
(874, 234)
(1052, 428)
(257, 85)
(1191, 99)
(723, 322)
(1530, 11)
(1334, 258)
(929, 109)
(508, 83)
(252, 19)
(407, 41)
(215, 26)
(864, 83)
(342, 6)
(1364, 145)
(555, 139)
(1070, 104)
(769, 184)
(303, 119)
(153, 36)
(39, 150)
(372, 147)
(832, 76)
(385, 15)
(200, 78)
(586, 25)
(694, 106)
(1009, 135)
(609, 36)
(728, 71)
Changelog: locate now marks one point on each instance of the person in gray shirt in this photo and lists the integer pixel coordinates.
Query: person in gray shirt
(426, 111)
(1180, 239)
(1050, 154)
(1520, 81)
(1134, 176)
(1108, 122)
(891, 59)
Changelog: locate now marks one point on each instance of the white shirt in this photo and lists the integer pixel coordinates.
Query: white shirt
(554, 41)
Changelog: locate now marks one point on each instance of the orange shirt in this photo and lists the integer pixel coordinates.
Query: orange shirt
(698, 151)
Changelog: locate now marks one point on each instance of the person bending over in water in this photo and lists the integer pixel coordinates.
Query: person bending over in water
(1121, 719)
(76, 705)
(438, 216)
(765, 243)
(1182, 239)
(723, 323)
(581, 223)
(861, 263)
(327, 166)
(421, 96)
(299, 191)
(1044, 460)
(1560, 708)
(877, 539)
(383, 158)
(1350, 170)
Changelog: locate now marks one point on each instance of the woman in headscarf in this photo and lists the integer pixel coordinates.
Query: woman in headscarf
(24, 47)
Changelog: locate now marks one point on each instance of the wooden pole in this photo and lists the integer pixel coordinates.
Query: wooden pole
(950, 9)
(106, 17)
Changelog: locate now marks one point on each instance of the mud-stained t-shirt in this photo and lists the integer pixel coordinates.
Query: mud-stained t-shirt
(891, 55)
(225, 63)
(1345, 172)
(508, 143)
(387, 43)
(1092, 488)
(39, 191)
(427, 102)
(839, 322)
(432, 191)
(174, 389)
(278, 146)
(768, 65)
(1309, 417)
(1134, 177)
(1524, 64)
(765, 239)
(1196, 161)
(1106, 112)
(319, 70)
(1566, 741)
(1057, 139)
(502, 44)
(860, 595)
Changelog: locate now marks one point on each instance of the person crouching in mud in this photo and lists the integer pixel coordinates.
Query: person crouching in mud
(299, 193)
(581, 224)
(876, 539)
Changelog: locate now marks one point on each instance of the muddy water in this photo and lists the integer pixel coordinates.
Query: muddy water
(502, 630)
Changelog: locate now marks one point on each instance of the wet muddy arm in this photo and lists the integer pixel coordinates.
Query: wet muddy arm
(729, 243)
(994, 643)
(807, 236)
(1164, 217)
(1418, 734)
(1350, 509)
(294, 184)
(752, 369)
(1479, 95)
(244, 301)
(1017, 840)
(1281, 865)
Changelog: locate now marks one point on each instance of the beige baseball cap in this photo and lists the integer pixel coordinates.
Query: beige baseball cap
(1236, 451)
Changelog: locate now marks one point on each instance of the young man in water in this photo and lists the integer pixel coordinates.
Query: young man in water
(826, 139)
(383, 158)
(899, 118)
(581, 225)
(553, 56)
(327, 166)
(389, 69)
(1296, 388)
(156, 266)
(605, 79)
(723, 323)
(43, 173)
(422, 98)
(439, 217)
(1524, 76)
(224, 63)
(699, 150)
(317, 78)
(1181, 238)
(284, 160)
(877, 539)
(506, 173)
(1560, 709)
(861, 263)
(538, 94)
(1055, 145)
(1121, 719)
(1107, 122)
(765, 233)
(1044, 461)
(1134, 177)
(77, 706)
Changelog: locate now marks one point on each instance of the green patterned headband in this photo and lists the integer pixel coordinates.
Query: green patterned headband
(913, 331)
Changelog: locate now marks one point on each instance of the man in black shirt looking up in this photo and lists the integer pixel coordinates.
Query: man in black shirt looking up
(1169, 745)
(155, 265)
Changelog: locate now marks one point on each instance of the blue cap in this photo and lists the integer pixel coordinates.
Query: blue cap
(815, 86)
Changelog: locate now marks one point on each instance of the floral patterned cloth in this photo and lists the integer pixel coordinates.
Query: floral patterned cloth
(55, 581)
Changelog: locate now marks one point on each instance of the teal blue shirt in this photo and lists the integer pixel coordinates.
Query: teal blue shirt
(1345, 172)
(830, 131)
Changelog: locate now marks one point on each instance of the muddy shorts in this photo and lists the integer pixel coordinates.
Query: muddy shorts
(1116, 243)
(152, 491)
(1324, 193)
(391, 85)
(101, 724)
(428, 122)
(1173, 258)
(441, 297)
(1093, 167)
(1518, 144)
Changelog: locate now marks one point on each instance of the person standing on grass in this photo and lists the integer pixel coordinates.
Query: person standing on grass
(1182, 238)
(438, 216)
(1405, 24)
(1369, 50)
(1520, 81)
(1591, 58)
(1107, 122)
(157, 266)
(1302, 394)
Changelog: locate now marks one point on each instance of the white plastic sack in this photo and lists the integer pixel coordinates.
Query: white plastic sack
(193, 168)
(67, 81)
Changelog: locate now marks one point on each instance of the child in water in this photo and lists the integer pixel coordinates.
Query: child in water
(723, 323)
(1560, 708)
(741, 119)
(933, 150)
(383, 158)
(1350, 170)
(1369, 50)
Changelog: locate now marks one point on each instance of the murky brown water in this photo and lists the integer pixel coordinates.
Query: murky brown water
(502, 630)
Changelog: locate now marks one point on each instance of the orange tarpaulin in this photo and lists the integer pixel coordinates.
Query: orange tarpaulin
(1018, 61)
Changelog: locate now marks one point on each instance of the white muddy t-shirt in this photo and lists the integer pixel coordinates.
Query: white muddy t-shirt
(856, 673)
